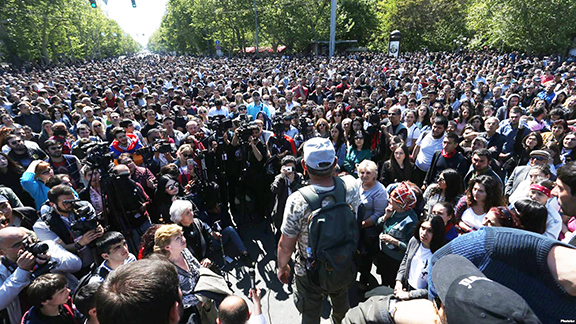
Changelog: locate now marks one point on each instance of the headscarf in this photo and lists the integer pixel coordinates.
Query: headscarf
(404, 196)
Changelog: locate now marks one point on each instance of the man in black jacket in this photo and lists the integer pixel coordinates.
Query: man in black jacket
(447, 158)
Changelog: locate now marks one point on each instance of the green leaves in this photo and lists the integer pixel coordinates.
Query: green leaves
(524, 25)
(294, 23)
(51, 30)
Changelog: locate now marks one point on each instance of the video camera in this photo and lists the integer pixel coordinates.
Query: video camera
(98, 155)
(245, 130)
(159, 145)
(87, 220)
(278, 124)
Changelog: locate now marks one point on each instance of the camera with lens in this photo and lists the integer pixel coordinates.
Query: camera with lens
(37, 249)
(163, 146)
(220, 124)
(278, 125)
(374, 118)
(245, 130)
(86, 218)
(98, 155)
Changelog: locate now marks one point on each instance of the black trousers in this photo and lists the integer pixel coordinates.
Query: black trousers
(387, 268)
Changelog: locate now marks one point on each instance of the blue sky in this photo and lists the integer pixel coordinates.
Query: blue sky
(139, 22)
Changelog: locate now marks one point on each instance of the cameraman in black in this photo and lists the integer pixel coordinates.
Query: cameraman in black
(254, 153)
(20, 256)
(58, 223)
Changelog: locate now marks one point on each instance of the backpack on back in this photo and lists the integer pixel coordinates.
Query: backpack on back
(333, 236)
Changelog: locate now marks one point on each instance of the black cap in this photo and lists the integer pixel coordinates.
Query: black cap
(469, 296)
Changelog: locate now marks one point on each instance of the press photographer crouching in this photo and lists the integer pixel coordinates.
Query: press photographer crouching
(24, 258)
(70, 223)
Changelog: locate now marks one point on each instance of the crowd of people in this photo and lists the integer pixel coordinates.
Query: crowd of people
(150, 164)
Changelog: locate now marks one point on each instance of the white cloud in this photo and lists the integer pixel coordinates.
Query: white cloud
(139, 22)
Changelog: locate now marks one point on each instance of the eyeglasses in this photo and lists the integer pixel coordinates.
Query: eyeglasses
(441, 179)
(15, 142)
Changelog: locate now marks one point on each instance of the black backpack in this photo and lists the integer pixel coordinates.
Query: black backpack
(333, 236)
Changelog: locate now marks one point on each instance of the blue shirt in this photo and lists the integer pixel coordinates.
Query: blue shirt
(253, 109)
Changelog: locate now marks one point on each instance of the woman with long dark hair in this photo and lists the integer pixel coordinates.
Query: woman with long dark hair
(166, 192)
(337, 138)
(398, 168)
(448, 187)
(483, 193)
(423, 117)
(10, 174)
(412, 276)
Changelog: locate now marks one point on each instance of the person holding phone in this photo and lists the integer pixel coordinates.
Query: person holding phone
(283, 185)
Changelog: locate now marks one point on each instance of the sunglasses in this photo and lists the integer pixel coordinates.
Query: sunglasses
(47, 171)
(172, 186)
(538, 158)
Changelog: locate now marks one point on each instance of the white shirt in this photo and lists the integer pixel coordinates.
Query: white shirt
(470, 218)
(554, 220)
(428, 145)
(413, 134)
(418, 276)
(214, 112)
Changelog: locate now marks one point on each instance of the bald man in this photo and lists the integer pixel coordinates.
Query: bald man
(17, 264)
(234, 310)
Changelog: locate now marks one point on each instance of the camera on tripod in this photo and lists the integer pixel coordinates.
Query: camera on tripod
(245, 130)
(98, 155)
(163, 146)
(278, 124)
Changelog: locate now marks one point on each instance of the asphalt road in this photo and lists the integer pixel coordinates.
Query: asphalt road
(277, 299)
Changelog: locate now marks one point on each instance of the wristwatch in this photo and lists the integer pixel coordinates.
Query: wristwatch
(78, 246)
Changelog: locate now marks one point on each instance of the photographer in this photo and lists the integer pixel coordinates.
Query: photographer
(127, 204)
(285, 183)
(140, 174)
(60, 223)
(17, 265)
(255, 157)
(279, 145)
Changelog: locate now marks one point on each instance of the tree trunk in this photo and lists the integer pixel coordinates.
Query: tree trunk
(44, 45)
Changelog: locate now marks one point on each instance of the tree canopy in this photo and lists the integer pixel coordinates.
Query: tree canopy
(192, 26)
(52, 30)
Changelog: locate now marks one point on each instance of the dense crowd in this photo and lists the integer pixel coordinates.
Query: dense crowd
(163, 158)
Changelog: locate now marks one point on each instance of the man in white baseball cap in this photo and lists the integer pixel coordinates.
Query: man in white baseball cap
(325, 190)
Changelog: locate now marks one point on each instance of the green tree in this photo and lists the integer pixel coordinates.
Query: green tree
(423, 23)
(524, 25)
(52, 30)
